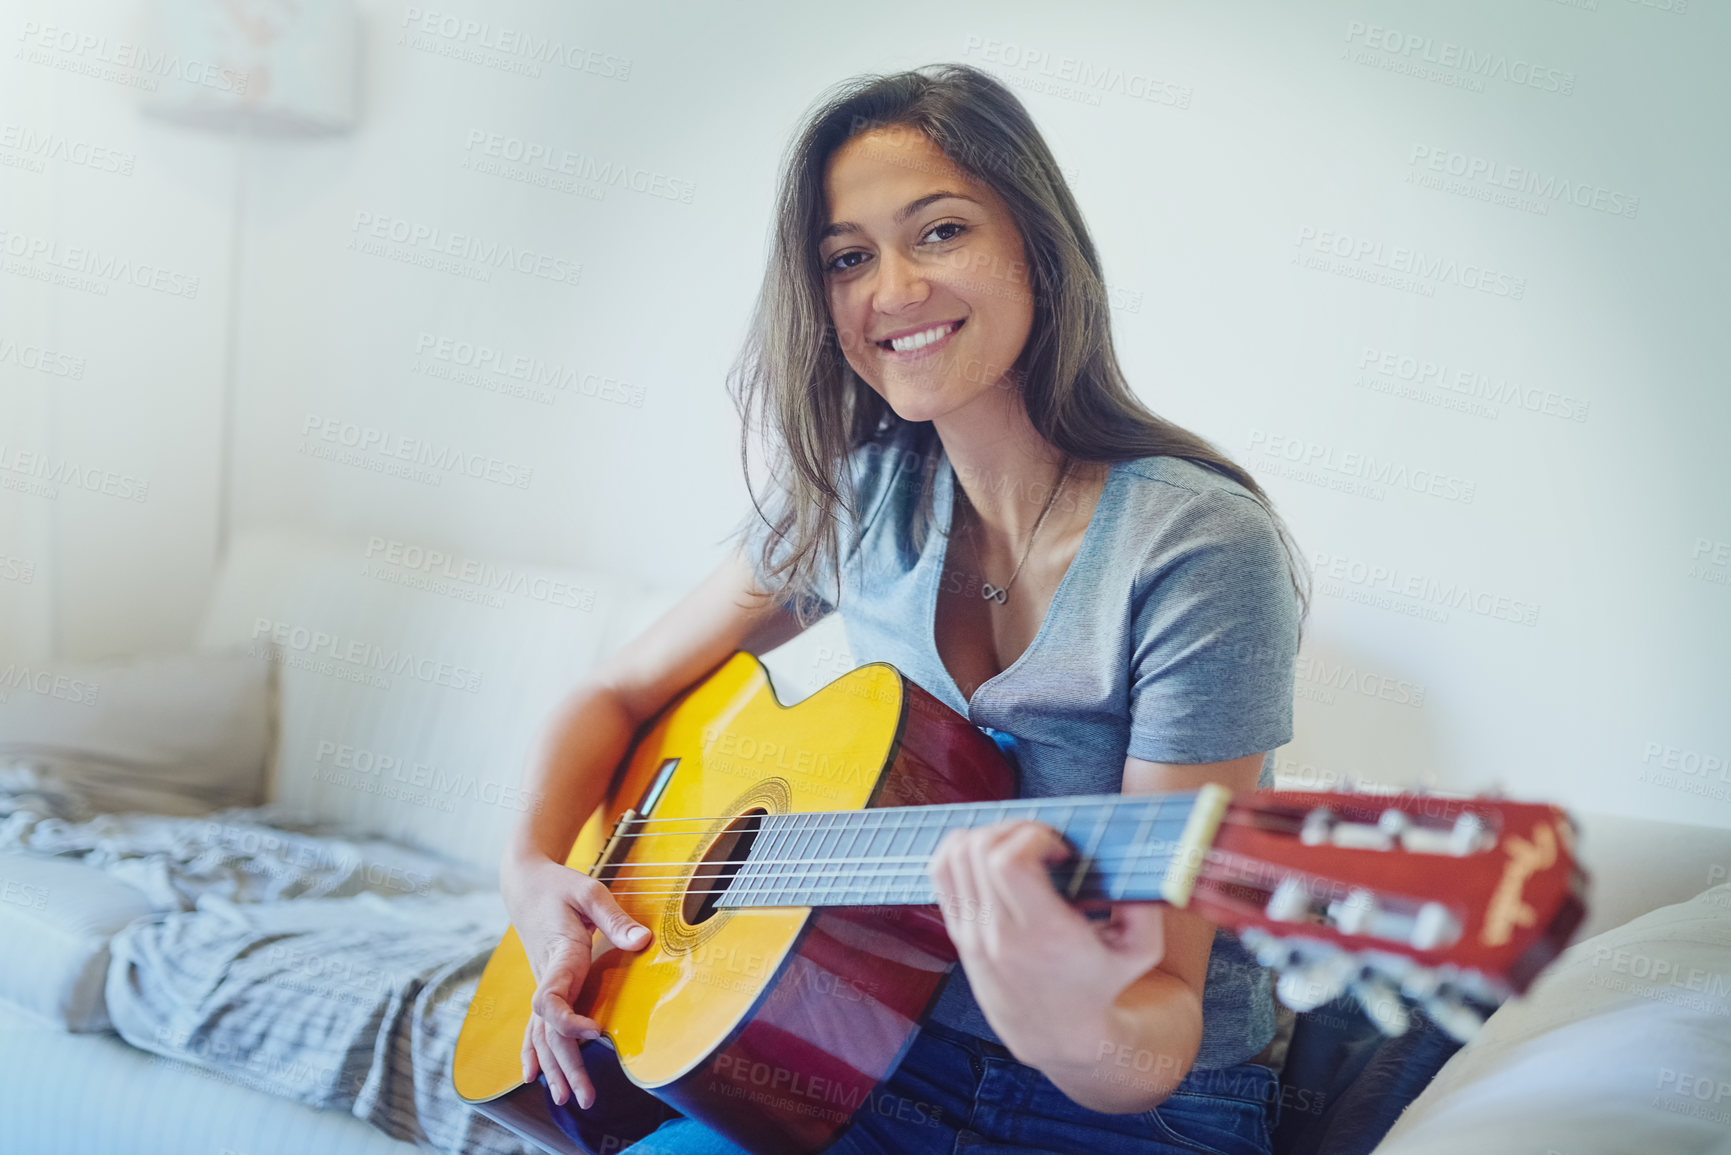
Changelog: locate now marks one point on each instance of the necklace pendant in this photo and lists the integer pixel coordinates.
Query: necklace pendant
(992, 593)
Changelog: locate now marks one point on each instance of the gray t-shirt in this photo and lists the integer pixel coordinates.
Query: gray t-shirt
(1172, 637)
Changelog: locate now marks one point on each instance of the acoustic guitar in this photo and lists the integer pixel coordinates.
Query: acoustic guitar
(778, 853)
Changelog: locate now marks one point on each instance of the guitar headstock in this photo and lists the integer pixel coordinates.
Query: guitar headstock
(1453, 903)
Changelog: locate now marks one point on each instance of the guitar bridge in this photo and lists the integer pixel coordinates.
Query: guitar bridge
(633, 814)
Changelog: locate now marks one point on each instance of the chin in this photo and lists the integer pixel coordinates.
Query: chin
(916, 405)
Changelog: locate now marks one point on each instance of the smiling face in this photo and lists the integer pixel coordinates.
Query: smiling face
(925, 274)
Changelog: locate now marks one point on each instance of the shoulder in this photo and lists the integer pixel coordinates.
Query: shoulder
(1201, 549)
(1170, 499)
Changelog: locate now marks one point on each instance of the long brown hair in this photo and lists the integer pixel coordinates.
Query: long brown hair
(794, 388)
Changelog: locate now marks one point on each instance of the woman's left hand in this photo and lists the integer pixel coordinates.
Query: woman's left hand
(1044, 975)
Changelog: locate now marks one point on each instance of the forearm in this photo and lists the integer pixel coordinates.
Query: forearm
(1135, 1053)
(583, 745)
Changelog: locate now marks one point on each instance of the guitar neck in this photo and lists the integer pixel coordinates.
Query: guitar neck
(1138, 847)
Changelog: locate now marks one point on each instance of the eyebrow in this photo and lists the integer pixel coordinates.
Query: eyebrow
(838, 227)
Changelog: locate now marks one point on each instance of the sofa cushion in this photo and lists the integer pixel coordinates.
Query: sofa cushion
(1624, 1044)
(56, 919)
(169, 734)
(416, 684)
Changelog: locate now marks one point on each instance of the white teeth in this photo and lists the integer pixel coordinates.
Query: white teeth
(921, 340)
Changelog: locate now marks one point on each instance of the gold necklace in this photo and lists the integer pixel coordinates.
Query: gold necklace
(1001, 594)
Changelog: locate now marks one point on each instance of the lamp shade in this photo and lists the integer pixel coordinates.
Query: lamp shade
(287, 67)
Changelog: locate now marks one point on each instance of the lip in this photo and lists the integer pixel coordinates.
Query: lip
(916, 354)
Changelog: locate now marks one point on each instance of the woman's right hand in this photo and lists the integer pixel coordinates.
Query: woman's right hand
(556, 911)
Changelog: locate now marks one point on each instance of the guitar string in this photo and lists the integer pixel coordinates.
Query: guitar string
(915, 880)
(1155, 845)
(1240, 869)
(1265, 819)
(1160, 800)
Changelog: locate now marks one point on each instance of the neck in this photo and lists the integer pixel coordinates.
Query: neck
(1125, 850)
(1006, 469)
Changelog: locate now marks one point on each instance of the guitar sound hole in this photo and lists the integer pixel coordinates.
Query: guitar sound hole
(715, 870)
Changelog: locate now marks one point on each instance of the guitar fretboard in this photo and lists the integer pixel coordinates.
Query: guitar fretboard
(1123, 844)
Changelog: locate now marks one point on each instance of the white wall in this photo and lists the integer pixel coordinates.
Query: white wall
(1266, 133)
(114, 247)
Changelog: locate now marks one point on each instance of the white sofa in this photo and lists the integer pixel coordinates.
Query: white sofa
(433, 758)
(409, 694)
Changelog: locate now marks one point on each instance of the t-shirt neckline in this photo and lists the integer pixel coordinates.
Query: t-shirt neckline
(943, 508)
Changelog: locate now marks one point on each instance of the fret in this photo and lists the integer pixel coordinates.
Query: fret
(798, 871)
(1087, 856)
(787, 828)
(880, 870)
(910, 885)
(840, 869)
(785, 831)
(823, 857)
(877, 856)
(1154, 806)
(927, 833)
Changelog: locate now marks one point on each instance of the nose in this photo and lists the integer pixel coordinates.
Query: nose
(900, 284)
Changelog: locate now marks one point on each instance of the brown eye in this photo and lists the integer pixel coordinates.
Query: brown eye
(835, 266)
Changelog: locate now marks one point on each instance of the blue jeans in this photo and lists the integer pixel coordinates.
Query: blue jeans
(955, 1092)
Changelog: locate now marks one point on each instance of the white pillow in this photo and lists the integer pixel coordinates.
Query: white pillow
(179, 734)
(56, 919)
(1623, 1045)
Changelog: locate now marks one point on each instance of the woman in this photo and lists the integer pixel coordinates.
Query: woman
(962, 467)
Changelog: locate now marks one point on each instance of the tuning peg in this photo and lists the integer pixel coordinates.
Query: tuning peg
(1381, 1002)
(1318, 828)
(1355, 913)
(1469, 830)
(1308, 985)
(1434, 926)
(1290, 902)
(1457, 1018)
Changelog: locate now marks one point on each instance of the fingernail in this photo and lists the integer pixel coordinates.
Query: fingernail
(587, 1035)
(637, 935)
